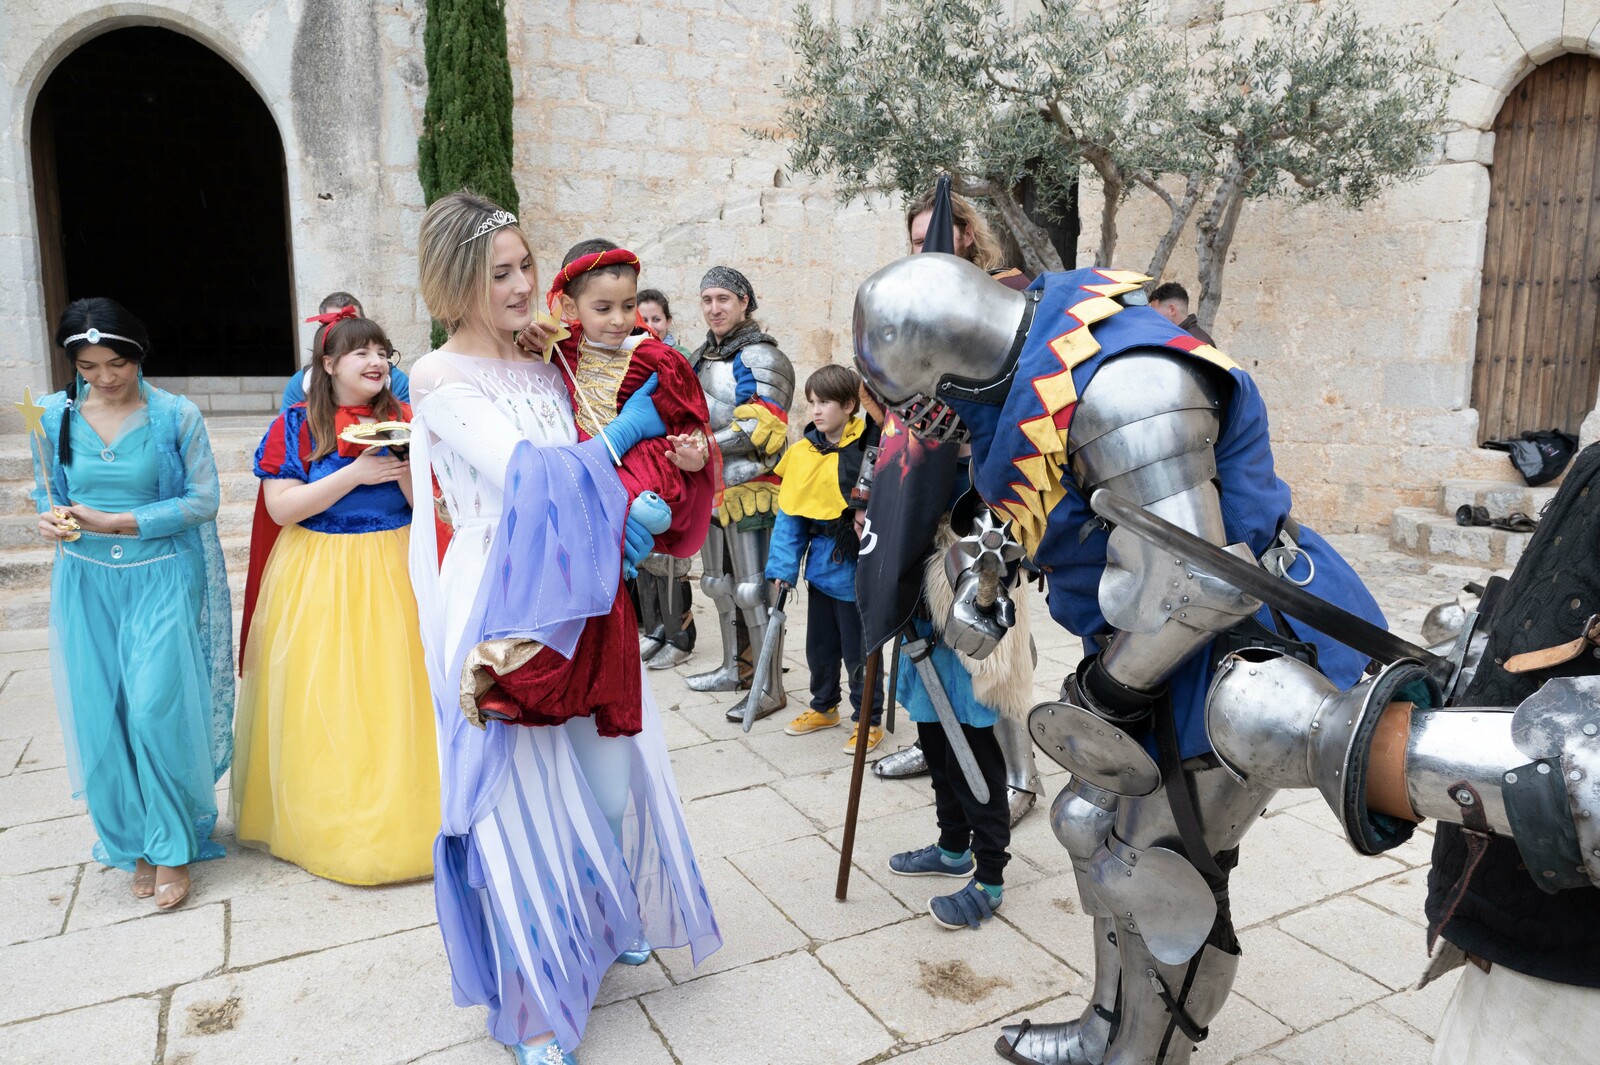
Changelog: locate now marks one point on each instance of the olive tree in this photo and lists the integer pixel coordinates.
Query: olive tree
(1317, 105)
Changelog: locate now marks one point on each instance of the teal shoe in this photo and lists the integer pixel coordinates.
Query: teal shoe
(637, 954)
(546, 1053)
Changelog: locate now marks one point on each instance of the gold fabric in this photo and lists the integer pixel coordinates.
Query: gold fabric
(501, 656)
(770, 432)
(811, 486)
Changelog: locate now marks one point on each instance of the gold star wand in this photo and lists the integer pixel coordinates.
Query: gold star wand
(33, 415)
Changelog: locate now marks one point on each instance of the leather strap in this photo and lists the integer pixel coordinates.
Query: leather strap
(1180, 799)
(1559, 655)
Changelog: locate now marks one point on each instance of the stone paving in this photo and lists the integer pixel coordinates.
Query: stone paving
(267, 963)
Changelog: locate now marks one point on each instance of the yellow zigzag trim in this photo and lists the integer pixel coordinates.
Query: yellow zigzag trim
(1044, 488)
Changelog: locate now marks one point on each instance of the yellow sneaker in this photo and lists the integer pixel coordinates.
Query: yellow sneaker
(874, 737)
(812, 721)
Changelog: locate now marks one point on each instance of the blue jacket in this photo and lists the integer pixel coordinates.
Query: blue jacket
(811, 504)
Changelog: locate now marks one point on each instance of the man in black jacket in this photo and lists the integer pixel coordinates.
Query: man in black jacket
(1532, 990)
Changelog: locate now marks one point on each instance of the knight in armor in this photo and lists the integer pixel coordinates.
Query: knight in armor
(976, 243)
(749, 385)
(1073, 386)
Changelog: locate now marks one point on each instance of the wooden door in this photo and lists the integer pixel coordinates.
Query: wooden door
(1537, 362)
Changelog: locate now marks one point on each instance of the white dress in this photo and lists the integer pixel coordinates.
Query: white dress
(559, 848)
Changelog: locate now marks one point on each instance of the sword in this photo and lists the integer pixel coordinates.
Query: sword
(1355, 632)
(919, 650)
(769, 646)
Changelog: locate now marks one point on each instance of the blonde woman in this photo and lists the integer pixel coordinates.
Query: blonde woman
(561, 850)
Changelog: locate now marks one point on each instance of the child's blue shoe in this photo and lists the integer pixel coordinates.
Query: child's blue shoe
(545, 1053)
(931, 861)
(967, 908)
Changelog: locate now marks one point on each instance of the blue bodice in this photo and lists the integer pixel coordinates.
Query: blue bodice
(366, 508)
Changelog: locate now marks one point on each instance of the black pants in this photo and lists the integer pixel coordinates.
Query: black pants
(680, 631)
(963, 821)
(833, 635)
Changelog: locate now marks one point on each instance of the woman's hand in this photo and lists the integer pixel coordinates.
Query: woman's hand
(373, 466)
(53, 525)
(688, 452)
(98, 521)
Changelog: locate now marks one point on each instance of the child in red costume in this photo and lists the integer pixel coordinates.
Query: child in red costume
(604, 360)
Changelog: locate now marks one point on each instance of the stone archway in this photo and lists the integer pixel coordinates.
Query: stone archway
(159, 181)
(1538, 347)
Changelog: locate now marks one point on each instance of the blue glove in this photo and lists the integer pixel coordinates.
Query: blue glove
(636, 421)
(648, 516)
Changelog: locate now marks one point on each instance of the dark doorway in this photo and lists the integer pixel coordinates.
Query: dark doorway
(160, 181)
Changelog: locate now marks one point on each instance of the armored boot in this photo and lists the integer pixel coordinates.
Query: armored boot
(906, 762)
(748, 550)
(1166, 1008)
(1023, 786)
(718, 584)
(1076, 1042)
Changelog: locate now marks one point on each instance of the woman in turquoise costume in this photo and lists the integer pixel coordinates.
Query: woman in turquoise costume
(140, 621)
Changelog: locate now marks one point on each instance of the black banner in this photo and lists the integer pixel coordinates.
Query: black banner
(911, 486)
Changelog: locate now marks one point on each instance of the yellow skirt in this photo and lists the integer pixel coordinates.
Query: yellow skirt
(335, 766)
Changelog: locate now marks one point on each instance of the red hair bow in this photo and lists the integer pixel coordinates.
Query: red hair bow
(328, 321)
(582, 265)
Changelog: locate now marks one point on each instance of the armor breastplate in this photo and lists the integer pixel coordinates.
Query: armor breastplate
(716, 377)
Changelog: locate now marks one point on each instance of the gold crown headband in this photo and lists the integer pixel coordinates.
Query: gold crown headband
(495, 221)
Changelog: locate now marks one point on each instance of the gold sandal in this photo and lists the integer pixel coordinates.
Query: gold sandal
(144, 879)
(171, 893)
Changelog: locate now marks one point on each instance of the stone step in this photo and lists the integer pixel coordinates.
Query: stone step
(1427, 534)
(28, 568)
(1499, 497)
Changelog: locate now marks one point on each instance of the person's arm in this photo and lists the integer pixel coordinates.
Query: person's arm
(788, 542)
(291, 501)
(202, 492)
(469, 423)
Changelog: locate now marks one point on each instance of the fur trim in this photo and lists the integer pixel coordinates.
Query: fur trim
(1004, 680)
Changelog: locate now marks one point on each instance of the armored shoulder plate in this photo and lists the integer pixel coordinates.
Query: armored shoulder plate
(772, 370)
(1146, 427)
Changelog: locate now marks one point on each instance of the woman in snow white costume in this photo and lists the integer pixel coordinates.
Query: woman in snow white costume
(561, 850)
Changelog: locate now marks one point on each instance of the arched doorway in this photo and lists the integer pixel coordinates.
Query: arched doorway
(160, 181)
(1538, 354)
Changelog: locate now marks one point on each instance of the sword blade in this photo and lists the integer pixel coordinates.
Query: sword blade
(1349, 629)
(769, 645)
(952, 729)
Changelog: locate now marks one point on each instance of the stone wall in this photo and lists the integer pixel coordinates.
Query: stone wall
(344, 81)
(634, 123)
(1361, 326)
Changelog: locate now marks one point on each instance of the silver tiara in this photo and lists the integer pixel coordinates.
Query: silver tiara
(490, 224)
(94, 336)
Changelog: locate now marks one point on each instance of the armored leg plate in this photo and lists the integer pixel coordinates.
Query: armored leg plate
(1093, 749)
(906, 762)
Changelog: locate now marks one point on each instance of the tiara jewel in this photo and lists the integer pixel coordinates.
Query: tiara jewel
(94, 336)
(492, 223)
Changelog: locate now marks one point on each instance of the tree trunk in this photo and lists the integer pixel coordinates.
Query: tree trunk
(1039, 253)
(1182, 209)
(1213, 238)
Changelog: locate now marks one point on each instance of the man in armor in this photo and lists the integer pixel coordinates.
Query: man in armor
(749, 385)
(1072, 386)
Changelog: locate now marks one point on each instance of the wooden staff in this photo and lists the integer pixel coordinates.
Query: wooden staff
(857, 771)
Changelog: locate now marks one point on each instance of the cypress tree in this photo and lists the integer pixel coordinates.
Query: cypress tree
(466, 126)
(466, 137)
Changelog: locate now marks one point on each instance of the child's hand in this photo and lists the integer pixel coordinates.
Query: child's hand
(688, 452)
